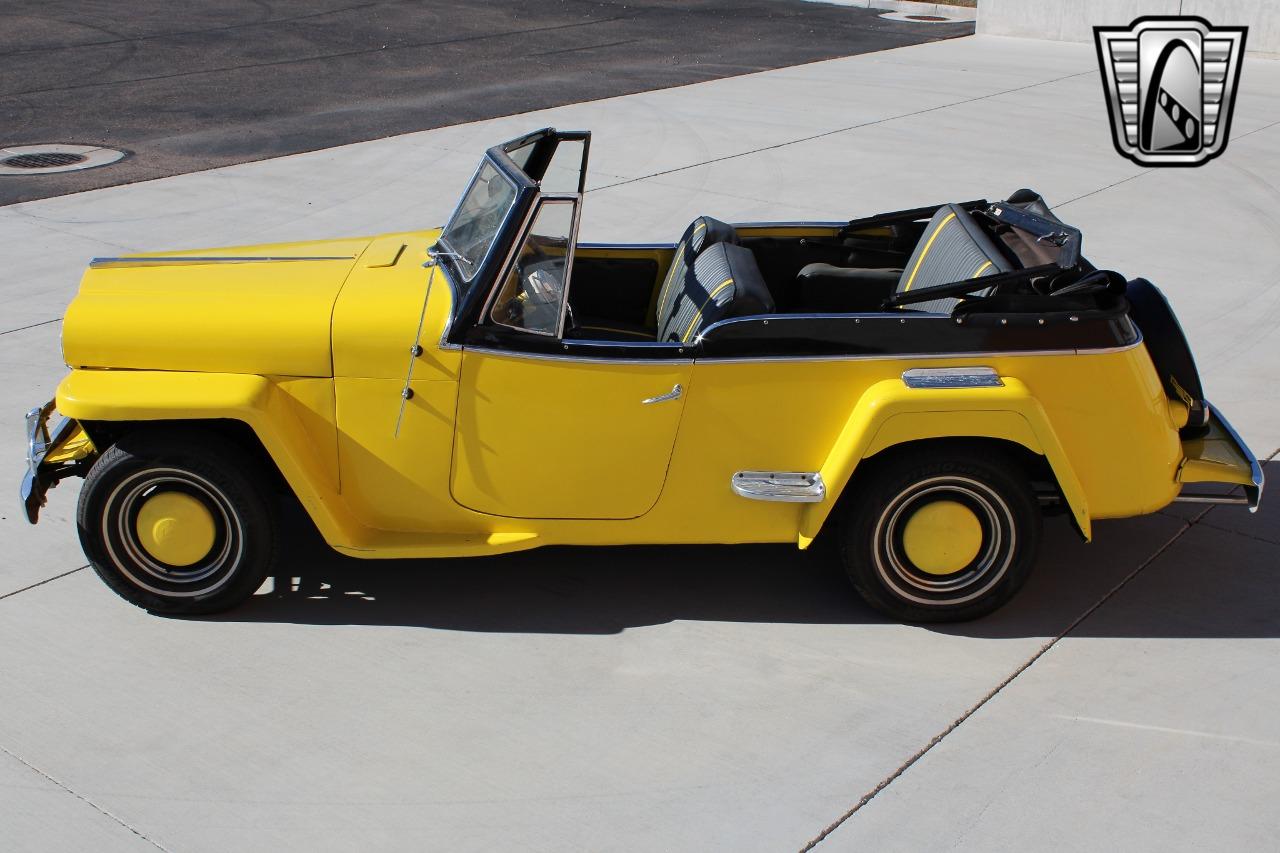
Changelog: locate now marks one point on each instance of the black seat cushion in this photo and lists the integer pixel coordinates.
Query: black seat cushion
(701, 233)
(825, 288)
(723, 281)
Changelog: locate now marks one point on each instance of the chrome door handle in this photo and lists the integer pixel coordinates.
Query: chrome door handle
(673, 394)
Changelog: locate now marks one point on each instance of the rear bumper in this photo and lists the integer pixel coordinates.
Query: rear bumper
(42, 442)
(1220, 456)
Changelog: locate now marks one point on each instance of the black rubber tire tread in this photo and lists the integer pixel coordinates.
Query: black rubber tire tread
(209, 455)
(873, 489)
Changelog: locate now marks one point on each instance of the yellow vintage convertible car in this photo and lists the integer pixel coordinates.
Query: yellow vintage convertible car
(922, 385)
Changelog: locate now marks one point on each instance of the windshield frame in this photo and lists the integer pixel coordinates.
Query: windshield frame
(471, 292)
(460, 269)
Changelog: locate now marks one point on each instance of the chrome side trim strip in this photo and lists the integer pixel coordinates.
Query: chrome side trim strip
(915, 356)
(670, 246)
(921, 356)
(1253, 494)
(804, 487)
(790, 224)
(539, 356)
(785, 318)
(173, 260)
(952, 377)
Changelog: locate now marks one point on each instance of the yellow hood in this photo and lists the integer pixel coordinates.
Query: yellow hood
(248, 309)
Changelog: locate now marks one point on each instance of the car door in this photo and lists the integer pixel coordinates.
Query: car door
(551, 428)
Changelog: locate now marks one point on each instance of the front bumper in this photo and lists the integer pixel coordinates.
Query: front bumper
(43, 472)
(1221, 456)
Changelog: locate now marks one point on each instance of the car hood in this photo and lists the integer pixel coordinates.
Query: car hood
(248, 309)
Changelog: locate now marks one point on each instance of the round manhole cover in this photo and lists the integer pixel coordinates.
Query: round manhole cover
(920, 19)
(47, 159)
(42, 160)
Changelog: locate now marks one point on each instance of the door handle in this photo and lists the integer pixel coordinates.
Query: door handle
(673, 394)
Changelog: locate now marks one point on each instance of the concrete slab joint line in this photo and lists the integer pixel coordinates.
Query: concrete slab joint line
(838, 130)
(43, 582)
(82, 798)
(1041, 652)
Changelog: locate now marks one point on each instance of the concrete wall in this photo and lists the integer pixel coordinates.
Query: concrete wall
(1074, 20)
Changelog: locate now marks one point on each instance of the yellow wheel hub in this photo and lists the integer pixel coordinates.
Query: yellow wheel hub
(175, 528)
(942, 537)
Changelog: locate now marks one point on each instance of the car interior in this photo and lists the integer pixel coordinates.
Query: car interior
(892, 262)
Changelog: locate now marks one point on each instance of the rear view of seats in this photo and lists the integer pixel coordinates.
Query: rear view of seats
(952, 248)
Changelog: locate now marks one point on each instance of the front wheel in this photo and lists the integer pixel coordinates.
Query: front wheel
(177, 524)
(940, 534)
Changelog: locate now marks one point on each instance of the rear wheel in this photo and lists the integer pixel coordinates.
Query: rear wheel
(940, 534)
(177, 524)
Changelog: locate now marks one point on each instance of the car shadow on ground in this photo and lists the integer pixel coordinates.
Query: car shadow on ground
(1211, 582)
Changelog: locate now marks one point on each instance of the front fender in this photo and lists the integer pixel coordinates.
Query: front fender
(293, 418)
(890, 413)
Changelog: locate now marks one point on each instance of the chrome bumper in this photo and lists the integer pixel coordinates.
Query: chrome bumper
(40, 440)
(1252, 492)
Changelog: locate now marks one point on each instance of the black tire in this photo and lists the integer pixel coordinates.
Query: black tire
(888, 496)
(197, 465)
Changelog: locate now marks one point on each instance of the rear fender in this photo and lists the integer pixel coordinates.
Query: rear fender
(890, 414)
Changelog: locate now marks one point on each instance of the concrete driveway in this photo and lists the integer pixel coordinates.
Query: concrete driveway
(681, 698)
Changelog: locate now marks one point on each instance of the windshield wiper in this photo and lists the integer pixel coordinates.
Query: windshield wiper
(440, 253)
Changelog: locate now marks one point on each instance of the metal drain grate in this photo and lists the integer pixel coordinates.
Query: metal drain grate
(23, 161)
(935, 19)
(43, 160)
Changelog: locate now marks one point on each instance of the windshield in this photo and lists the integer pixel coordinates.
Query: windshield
(478, 218)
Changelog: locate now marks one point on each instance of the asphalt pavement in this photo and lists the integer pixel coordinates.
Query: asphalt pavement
(189, 86)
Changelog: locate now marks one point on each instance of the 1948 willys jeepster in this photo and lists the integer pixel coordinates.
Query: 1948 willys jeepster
(922, 385)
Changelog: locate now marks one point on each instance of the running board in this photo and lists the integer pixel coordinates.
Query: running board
(786, 486)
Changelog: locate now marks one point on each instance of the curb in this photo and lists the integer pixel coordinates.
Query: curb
(910, 7)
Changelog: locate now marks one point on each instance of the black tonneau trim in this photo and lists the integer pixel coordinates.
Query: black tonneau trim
(912, 333)
(897, 216)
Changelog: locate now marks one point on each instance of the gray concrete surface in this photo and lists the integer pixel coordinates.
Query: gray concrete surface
(680, 698)
(198, 85)
(1074, 20)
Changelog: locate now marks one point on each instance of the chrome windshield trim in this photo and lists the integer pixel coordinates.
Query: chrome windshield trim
(453, 308)
(784, 486)
(497, 167)
(178, 260)
(1252, 493)
(512, 253)
(572, 250)
(952, 377)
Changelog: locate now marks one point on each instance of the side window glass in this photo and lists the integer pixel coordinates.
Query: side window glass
(532, 294)
(565, 169)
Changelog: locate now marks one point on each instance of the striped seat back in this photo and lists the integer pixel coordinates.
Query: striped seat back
(952, 248)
